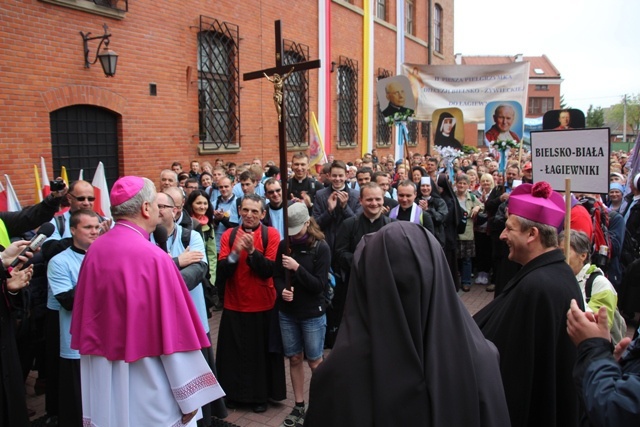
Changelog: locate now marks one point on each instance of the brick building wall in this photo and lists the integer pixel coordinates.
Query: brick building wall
(42, 67)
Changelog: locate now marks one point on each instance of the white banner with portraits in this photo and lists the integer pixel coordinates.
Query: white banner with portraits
(467, 87)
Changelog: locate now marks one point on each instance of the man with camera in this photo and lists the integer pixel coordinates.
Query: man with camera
(80, 196)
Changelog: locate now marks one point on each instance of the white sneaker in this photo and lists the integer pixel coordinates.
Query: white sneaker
(483, 278)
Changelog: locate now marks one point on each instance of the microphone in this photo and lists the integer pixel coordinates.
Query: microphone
(160, 235)
(44, 232)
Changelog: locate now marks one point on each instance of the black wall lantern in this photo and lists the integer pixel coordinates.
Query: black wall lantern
(108, 58)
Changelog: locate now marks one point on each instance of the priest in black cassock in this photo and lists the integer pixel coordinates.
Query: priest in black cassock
(528, 320)
(408, 353)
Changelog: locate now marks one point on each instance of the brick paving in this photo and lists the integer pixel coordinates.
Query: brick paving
(273, 417)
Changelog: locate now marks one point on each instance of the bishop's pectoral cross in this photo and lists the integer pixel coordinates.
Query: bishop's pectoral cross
(277, 76)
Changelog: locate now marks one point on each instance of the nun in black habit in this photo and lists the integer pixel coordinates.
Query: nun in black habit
(408, 353)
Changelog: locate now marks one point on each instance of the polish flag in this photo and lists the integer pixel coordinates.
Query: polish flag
(46, 189)
(102, 205)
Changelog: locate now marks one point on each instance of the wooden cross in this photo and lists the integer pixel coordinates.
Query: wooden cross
(277, 75)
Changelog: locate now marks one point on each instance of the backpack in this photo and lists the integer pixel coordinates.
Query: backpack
(619, 326)
(208, 289)
(601, 235)
(329, 288)
(630, 249)
(462, 215)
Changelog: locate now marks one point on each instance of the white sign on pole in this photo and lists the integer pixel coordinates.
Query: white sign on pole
(579, 154)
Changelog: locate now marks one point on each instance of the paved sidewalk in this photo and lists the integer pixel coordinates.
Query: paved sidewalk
(473, 300)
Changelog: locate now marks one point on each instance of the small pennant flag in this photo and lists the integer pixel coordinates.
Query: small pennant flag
(38, 197)
(46, 189)
(102, 205)
(3, 199)
(63, 175)
(13, 205)
(316, 148)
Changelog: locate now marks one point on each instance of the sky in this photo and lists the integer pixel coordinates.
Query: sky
(592, 43)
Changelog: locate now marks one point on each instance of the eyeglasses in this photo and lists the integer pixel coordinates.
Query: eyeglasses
(165, 207)
(83, 198)
(270, 192)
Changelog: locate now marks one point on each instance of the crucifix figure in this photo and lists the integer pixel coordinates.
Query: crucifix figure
(279, 74)
(278, 88)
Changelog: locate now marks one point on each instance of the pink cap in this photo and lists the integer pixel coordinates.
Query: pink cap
(537, 202)
(125, 188)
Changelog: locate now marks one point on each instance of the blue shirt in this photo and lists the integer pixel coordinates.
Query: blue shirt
(62, 272)
(228, 206)
(196, 244)
(277, 220)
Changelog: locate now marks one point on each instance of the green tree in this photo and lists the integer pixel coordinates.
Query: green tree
(595, 117)
(563, 103)
(615, 114)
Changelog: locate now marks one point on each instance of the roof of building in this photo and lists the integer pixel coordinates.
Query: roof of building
(540, 66)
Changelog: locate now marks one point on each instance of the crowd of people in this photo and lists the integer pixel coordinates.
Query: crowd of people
(369, 263)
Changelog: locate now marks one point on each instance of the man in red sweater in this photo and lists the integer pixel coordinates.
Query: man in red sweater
(250, 367)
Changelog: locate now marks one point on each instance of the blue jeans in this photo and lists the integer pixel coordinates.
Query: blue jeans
(465, 278)
(303, 334)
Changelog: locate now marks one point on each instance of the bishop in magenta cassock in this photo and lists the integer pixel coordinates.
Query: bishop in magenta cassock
(138, 333)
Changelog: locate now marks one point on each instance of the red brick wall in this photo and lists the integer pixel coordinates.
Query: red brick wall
(43, 70)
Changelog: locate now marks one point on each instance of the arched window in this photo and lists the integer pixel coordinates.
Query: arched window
(81, 137)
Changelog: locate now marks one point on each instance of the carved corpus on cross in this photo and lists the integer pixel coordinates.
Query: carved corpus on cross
(277, 75)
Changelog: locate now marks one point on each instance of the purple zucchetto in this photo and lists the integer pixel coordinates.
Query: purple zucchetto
(537, 202)
(125, 188)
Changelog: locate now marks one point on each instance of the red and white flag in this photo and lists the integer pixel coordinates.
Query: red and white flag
(46, 188)
(102, 205)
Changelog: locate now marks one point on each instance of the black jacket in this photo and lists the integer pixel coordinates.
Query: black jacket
(27, 219)
(349, 235)
(309, 280)
(528, 324)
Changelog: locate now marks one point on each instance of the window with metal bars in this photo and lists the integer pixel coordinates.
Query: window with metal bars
(347, 102)
(424, 129)
(437, 28)
(383, 130)
(296, 99)
(412, 128)
(218, 85)
(121, 5)
(82, 136)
